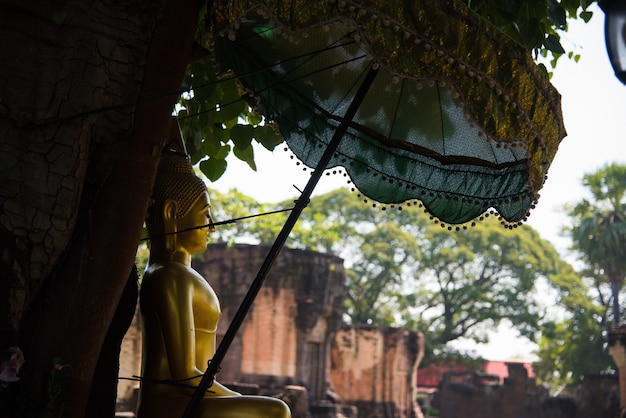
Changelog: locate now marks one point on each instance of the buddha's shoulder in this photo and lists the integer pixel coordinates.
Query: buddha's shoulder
(170, 274)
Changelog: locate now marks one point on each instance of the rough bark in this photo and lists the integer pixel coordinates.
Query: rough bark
(86, 90)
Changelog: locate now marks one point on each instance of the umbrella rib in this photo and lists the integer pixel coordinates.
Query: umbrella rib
(342, 42)
(415, 148)
(396, 110)
(386, 141)
(308, 55)
(251, 73)
(441, 121)
(411, 147)
(284, 82)
(319, 70)
(214, 224)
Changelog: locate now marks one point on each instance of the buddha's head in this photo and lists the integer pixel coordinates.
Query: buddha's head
(179, 204)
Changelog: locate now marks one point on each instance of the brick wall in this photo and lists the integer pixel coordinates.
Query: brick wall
(285, 338)
(375, 369)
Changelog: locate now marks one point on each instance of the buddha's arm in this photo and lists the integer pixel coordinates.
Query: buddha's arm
(174, 311)
(205, 348)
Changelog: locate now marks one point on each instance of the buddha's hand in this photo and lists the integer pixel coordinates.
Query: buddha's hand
(217, 389)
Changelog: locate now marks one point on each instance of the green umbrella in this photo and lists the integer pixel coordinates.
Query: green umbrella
(459, 115)
(416, 100)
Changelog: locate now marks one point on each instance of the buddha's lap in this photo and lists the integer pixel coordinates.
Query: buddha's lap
(215, 407)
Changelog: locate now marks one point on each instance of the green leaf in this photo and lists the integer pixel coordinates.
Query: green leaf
(211, 143)
(144, 234)
(255, 118)
(586, 16)
(553, 43)
(558, 16)
(531, 32)
(268, 136)
(211, 150)
(231, 105)
(242, 135)
(223, 152)
(213, 168)
(247, 155)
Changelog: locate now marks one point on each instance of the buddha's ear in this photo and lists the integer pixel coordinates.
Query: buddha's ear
(169, 224)
(169, 209)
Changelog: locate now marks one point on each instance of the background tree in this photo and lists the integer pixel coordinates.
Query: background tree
(375, 278)
(235, 205)
(473, 279)
(574, 343)
(404, 269)
(599, 228)
(590, 299)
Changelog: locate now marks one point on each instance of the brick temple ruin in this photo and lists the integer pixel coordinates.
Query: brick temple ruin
(465, 394)
(293, 345)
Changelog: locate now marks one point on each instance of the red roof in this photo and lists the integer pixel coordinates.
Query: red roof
(500, 368)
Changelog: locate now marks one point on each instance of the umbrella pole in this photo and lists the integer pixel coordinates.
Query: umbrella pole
(214, 364)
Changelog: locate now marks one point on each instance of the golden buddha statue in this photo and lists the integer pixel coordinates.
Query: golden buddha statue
(179, 309)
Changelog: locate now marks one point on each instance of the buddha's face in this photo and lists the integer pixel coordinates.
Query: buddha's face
(194, 241)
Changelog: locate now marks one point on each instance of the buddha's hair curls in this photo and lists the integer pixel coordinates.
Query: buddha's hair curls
(175, 179)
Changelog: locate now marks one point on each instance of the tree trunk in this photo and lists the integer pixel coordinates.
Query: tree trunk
(87, 90)
(615, 288)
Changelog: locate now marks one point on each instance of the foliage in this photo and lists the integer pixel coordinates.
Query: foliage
(141, 258)
(471, 280)
(572, 348)
(574, 345)
(337, 225)
(375, 279)
(599, 227)
(403, 269)
(535, 24)
(235, 205)
(216, 118)
(598, 234)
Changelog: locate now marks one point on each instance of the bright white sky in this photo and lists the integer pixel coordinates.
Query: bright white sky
(594, 109)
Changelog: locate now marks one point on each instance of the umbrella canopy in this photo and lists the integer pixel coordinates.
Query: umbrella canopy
(459, 116)
(416, 100)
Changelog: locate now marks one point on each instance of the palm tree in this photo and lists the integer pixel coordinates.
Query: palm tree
(599, 231)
